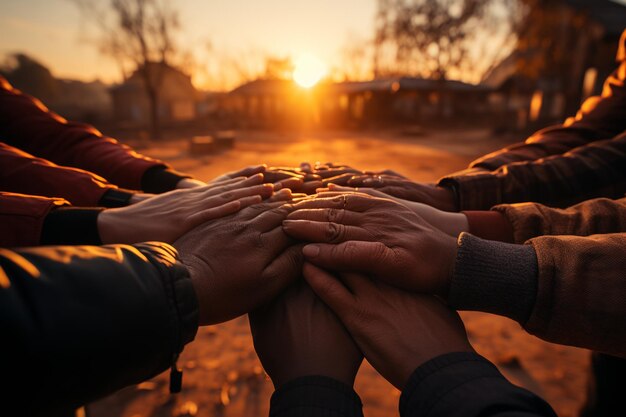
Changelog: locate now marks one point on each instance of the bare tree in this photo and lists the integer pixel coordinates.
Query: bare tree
(440, 39)
(137, 34)
(356, 59)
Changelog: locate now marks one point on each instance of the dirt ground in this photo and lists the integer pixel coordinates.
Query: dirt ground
(223, 376)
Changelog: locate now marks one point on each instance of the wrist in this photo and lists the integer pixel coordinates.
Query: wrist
(111, 227)
(445, 199)
(189, 183)
(139, 197)
(449, 250)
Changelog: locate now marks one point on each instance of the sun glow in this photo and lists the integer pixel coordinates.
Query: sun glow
(308, 71)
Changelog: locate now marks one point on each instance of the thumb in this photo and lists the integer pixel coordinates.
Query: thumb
(330, 289)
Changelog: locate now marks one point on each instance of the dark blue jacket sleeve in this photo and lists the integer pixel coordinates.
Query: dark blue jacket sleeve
(467, 385)
(80, 322)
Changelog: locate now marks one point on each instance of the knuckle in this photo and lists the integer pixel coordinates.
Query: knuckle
(349, 249)
(335, 232)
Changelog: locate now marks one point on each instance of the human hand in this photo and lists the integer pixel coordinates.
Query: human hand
(356, 232)
(448, 222)
(240, 262)
(165, 217)
(429, 194)
(330, 172)
(244, 172)
(187, 183)
(297, 335)
(397, 331)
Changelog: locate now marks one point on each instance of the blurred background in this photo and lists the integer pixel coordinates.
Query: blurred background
(420, 86)
(162, 66)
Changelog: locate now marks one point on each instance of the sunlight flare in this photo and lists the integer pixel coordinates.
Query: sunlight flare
(308, 71)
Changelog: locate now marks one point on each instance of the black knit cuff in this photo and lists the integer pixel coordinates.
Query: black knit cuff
(160, 179)
(433, 379)
(116, 197)
(71, 226)
(315, 396)
(494, 277)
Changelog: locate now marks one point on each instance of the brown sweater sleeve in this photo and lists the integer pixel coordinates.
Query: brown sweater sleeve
(581, 294)
(596, 216)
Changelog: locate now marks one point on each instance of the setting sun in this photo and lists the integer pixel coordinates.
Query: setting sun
(308, 71)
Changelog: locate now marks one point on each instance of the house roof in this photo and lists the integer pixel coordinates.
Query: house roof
(170, 77)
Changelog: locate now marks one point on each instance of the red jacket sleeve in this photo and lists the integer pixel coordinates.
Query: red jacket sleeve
(28, 125)
(21, 172)
(22, 217)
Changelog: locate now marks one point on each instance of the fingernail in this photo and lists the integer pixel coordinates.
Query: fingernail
(311, 251)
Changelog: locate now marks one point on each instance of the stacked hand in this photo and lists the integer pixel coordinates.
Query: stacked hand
(397, 331)
(240, 262)
(297, 335)
(250, 261)
(448, 222)
(166, 217)
(360, 233)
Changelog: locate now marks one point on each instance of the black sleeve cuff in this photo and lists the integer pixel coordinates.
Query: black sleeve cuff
(494, 277)
(71, 226)
(466, 384)
(116, 197)
(315, 396)
(160, 179)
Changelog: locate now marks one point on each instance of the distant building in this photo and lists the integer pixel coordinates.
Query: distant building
(178, 99)
(281, 103)
(586, 37)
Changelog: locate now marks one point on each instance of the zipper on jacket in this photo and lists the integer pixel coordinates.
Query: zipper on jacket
(176, 376)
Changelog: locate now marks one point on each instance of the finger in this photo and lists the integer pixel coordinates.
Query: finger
(291, 183)
(357, 180)
(249, 171)
(282, 195)
(312, 177)
(358, 284)
(306, 167)
(225, 181)
(282, 271)
(310, 187)
(339, 179)
(248, 201)
(337, 187)
(324, 232)
(351, 256)
(263, 190)
(328, 215)
(272, 217)
(336, 172)
(279, 175)
(363, 192)
(256, 210)
(386, 172)
(215, 212)
(332, 291)
(353, 202)
(274, 242)
(244, 172)
(235, 184)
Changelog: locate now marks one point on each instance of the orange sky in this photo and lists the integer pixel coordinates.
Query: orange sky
(51, 31)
